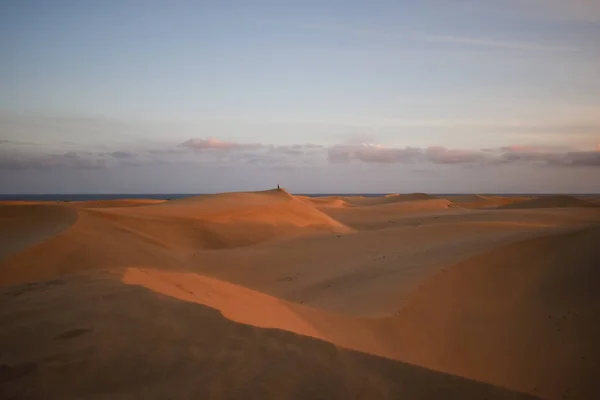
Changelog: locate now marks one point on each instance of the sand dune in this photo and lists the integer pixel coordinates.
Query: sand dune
(531, 307)
(388, 199)
(361, 201)
(163, 234)
(479, 201)
(500, 306)
(401, 296)
(121, 342)
(274, 207)
(466, 198)
(326, 201)
(547, 202)
(22, 225)
(115, 203)
(385, 213)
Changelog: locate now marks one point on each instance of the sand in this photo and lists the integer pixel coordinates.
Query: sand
(487, 201)
(548, 202)
(270, 295)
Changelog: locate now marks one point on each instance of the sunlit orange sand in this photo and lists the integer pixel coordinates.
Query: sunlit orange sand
(270, 295)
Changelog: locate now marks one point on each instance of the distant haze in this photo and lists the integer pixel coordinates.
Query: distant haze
(321, 96)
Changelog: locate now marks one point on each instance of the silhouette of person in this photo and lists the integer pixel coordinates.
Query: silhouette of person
(278, 187)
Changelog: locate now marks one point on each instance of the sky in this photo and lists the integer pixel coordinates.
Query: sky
(327, 96)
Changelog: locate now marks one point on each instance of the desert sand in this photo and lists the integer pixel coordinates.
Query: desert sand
(270, 295)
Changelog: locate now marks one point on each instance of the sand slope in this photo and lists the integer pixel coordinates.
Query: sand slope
(523, 316)
(376, 215)
(22, 225)
(514, 305)
(370, 272)
(326, 201)
(394, 297)
(123, 342)
(163, 234)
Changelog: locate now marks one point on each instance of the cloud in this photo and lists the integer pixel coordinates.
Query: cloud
(215, 152)
(373, 153)
(548, 155)
(15, 142)
(514, 154)
(520, 148)
(167, 150)
(582, 158)
(121, 154)
(68, 160)
(552, 158)
(320, 146)
(191, 152)
(519, 154)
(215, 144)
(233, 153)
(297, 149)
(442, 155)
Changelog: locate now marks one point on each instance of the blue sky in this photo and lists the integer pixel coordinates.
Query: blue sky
(320, 96)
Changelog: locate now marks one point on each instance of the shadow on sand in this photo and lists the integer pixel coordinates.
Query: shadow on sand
(96, 338)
